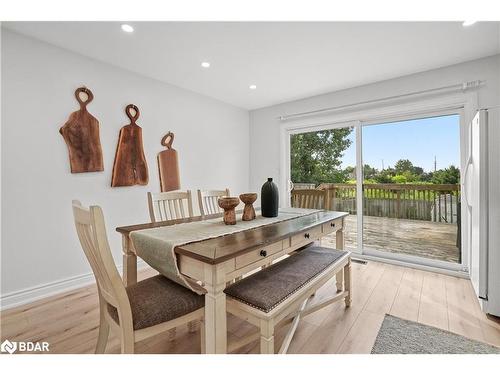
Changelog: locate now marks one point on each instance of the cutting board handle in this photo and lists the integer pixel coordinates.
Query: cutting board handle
(86, 91)
(167, 140)
(133, 118)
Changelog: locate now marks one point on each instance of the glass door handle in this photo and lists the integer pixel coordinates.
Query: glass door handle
(465, 188)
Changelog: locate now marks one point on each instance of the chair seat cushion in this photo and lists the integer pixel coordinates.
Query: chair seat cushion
(157, 299)
(266, 289)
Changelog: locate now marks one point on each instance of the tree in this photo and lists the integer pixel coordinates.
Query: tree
(426, 177)
(369, 172)
(316, 156)
(350, 172)
(399, 179)
(403, 165)
(450, 175)
(418, 171)
(411, 172)
(385, 176)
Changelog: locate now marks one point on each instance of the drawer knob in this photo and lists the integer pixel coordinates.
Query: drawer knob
(306, 235)
(332, 225)
(263, 253)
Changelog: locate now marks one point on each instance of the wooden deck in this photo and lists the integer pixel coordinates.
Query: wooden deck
(413, 237)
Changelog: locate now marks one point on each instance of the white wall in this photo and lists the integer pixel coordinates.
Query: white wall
(39, 243)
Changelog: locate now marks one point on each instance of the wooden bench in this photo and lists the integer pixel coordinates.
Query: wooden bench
(280, 293)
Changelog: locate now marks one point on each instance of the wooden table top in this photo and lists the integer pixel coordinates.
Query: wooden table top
(131, 228)
(219, 249)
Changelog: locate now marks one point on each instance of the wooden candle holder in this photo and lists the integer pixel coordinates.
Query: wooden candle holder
(228, 204)
(248, 211)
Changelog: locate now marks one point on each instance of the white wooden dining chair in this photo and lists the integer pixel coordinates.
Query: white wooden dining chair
(207, 200)
(170, 205)
(139, 311)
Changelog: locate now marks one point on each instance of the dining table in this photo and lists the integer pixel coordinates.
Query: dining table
(216, 261)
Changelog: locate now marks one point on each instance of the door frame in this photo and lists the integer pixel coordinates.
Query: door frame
(463, 103)
(356, 125)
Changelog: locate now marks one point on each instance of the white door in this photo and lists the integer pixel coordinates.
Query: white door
(476, 199)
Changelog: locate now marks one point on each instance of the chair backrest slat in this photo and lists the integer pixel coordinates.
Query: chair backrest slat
(181, 207)
(170, 210)
(176, 207)
(208, 201)
(170, 205)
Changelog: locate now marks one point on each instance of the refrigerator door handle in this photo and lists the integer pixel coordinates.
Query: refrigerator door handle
(465, 187)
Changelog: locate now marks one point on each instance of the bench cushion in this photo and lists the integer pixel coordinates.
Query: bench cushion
(266, 289)
(156, 300)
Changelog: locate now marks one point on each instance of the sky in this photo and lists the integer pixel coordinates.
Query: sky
(416, 140)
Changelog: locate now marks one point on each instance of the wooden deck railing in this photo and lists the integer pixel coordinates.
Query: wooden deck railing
(303, 186)
(431, 202)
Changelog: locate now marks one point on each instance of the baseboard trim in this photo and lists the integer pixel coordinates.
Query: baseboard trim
(29, 295)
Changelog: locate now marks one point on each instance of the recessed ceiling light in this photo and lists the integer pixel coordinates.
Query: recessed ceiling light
(252, 87)
(127, 28)
(468, 23)
(205, 64)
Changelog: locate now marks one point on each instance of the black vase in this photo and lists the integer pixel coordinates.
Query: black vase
(269, 199)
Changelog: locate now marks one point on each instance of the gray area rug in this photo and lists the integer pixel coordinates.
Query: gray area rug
(399, 336)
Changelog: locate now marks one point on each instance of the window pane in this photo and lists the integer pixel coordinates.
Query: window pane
(324, 175)
(411, 189)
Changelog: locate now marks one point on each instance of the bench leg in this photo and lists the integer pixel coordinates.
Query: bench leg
(348, 283)
(202, 336)
(193, 326)
(172, 333)
(266, 337)
(340, 280)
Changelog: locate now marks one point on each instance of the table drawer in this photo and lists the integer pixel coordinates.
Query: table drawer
(306, 236)
(332, 226)
(258, 254)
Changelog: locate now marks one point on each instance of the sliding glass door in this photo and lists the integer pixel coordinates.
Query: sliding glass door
(411, 188)
(323, 175)
(398, 180)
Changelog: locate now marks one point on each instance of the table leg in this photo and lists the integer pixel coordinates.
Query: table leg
(129, 262)
(340, 245)
(348, 283)
(340, 280)
(215, 310)
(340, 238)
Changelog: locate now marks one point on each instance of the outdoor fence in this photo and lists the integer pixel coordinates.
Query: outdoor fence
(430, 202)
(303, 186)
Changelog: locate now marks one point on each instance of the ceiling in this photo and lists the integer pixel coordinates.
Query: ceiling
(286, 60)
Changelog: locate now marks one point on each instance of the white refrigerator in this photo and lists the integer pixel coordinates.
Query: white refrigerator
(481, 184)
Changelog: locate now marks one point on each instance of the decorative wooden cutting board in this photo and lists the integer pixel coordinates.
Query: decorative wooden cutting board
(130, 166)
(81, 133)
(168, 165)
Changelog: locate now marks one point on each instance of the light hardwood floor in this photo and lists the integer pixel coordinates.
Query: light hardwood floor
(69, 321)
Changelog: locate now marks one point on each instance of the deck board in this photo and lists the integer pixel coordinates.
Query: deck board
(412, 237)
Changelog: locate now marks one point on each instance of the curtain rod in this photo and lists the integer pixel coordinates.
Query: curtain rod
(490, 107)
(458, 87)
